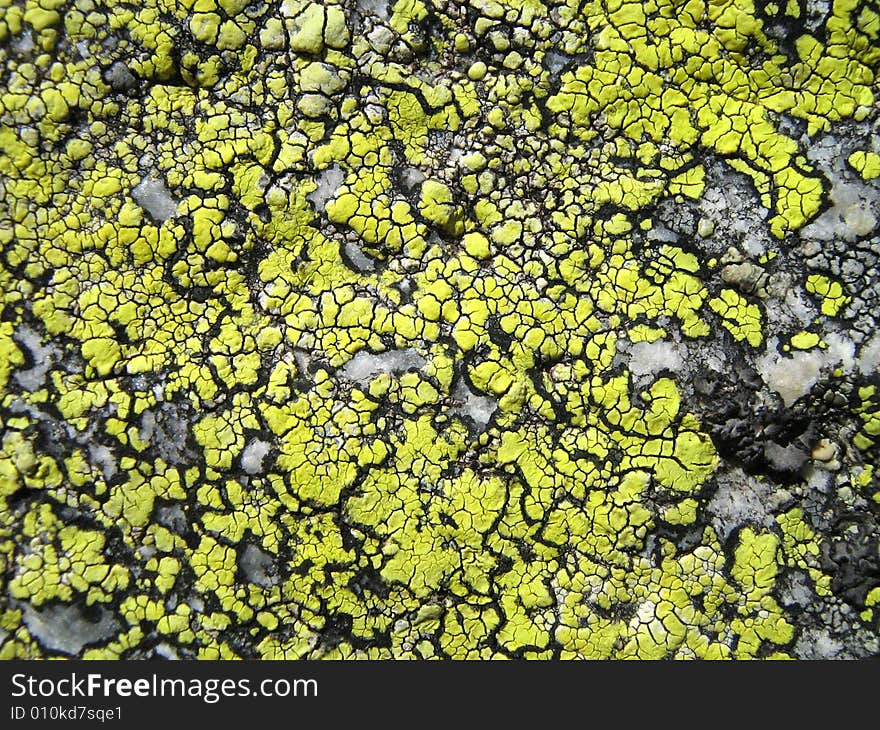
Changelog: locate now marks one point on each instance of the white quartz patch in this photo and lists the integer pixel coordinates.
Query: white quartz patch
(817, 643)
(376, 8)
(329, 181)
(411, 177)
(478, 407)
(556, 61)
(32, 378)
(854, 210)
(64, 628)
(152, 195)
(357, 257)
(103, 457)
(366, 365)
(740, 499)
(869, 356)
(253, 455)
(793, 375)
(256, 566)
(849, 217)
(647, 358)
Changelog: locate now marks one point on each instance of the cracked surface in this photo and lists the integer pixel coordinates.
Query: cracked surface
(500, 328)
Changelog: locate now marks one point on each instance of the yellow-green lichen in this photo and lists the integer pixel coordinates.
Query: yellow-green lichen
(336, 322)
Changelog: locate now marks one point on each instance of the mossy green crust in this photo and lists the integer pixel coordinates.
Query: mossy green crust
(420, 329)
